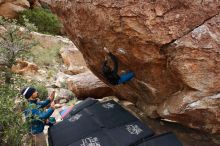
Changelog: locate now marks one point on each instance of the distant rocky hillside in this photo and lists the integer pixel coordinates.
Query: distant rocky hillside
(10, 8)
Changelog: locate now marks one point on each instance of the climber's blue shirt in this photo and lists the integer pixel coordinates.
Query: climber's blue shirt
(37, 115)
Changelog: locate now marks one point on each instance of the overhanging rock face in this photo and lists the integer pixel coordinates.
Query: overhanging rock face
(171, 45)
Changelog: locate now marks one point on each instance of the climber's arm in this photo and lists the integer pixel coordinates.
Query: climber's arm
(44, 103)
(115, 61)
(47, 114)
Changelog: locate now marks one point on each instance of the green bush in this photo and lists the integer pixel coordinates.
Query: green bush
(13, 128)
(42, 90)
(11, 117)
(43, 19)
(46, 56)
(14, 44)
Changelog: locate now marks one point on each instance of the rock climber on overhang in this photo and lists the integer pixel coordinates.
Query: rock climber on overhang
(110, 74)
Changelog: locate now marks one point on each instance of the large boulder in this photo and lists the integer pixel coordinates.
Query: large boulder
(61, 80)
(88, 85)
(45, 2)
(195, 59)
(10, 8)
(73, 59)
(171, 45)
(62, 96)
(24, 67)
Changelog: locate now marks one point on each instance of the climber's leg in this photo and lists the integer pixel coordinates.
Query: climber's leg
(125, 77)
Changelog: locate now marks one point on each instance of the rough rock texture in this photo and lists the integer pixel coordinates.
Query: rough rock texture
(74, 60)
(48, 2)
(195, 61)
(62, 95)
(171, 45)
(24, 67)
(61, 80)
(88, 85)
(10, 8)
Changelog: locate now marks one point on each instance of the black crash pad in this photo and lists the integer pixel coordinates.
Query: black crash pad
(107, 123)
(167, 139)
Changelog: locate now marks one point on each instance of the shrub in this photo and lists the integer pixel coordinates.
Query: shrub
(45, 21)
(46, 56)
(14, 44)
(13, 128)
(11, 116)
(42, 90)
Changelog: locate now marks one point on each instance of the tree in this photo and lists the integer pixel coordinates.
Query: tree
(15, 42)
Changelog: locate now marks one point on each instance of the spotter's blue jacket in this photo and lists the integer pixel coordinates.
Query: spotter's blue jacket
(37, 115)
